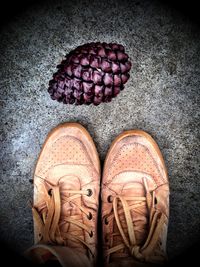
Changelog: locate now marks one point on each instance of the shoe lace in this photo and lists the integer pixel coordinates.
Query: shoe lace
(47, 217)
(151, 249)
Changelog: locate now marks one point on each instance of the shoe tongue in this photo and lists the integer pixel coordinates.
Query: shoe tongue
(71, 210)
(70, 207)
(133, 190)
(139, 215)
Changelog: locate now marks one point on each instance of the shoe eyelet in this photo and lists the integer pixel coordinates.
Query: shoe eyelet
(89, 216)
(91, 234)
(109, 199)
(50, 192)
(89, 192)
(106, 221)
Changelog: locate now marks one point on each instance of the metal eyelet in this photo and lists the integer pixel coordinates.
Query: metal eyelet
(89, 216)
(50, 192)
(109, 199)
(40, 236)
(91, 234)
(89, 192)
(106, 220)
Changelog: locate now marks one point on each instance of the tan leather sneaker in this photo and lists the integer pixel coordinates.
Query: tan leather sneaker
(135, 201)
(66, 195)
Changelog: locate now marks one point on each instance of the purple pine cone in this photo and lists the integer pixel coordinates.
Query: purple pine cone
(92, 73)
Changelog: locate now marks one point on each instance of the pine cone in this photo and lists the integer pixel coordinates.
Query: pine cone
(92, 73)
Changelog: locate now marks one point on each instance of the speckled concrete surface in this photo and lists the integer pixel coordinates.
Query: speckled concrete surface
(161, 97)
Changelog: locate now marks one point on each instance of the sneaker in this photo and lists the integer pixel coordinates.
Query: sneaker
(135, 201)
(66, 195)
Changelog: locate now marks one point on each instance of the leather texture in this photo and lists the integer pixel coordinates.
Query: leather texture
(135, 200)
(40, 253)
(66, 191)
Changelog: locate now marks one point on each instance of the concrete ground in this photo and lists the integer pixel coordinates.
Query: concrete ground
(161, 97)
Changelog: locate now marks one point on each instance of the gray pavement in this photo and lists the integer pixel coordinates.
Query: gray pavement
(161, 97)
